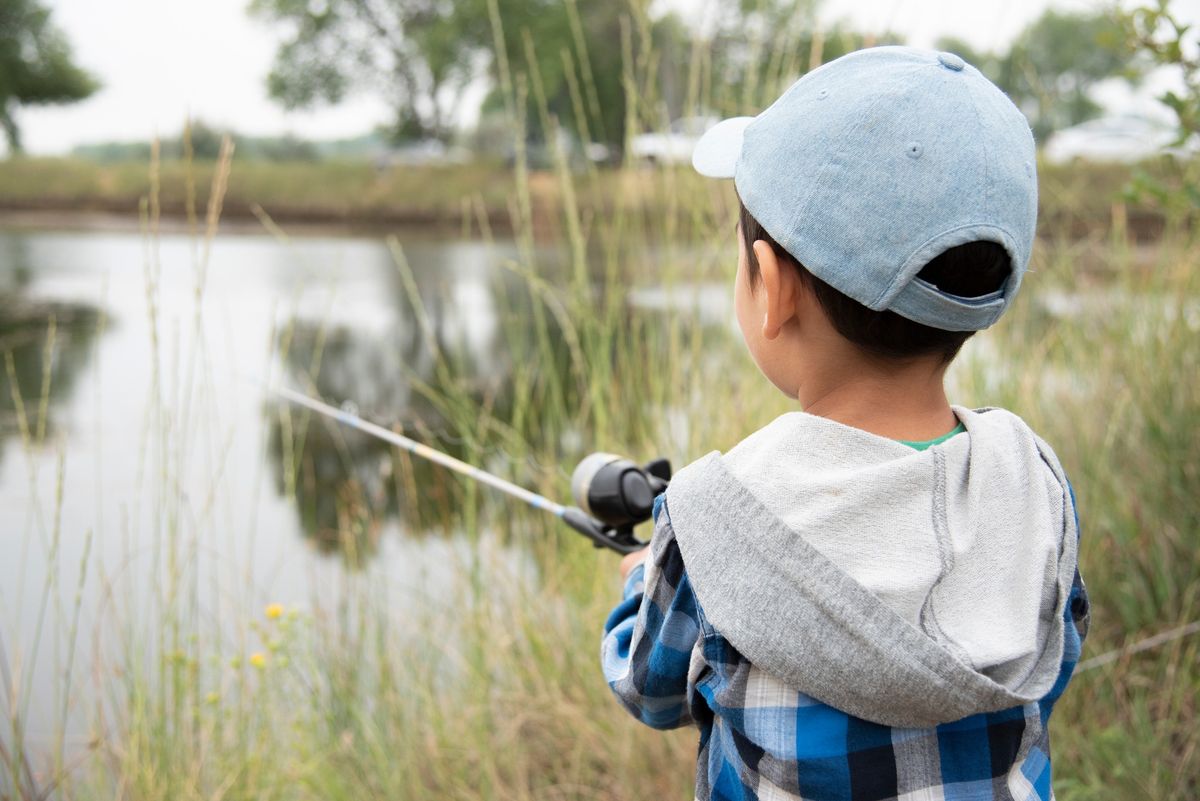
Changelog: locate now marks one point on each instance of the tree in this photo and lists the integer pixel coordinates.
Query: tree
(581, 64)
(1052, 66)
(35, 65)
(417, 54)
(420, 54)
(1156, 34)
(761, 47)
(613, 54)
(553, 45)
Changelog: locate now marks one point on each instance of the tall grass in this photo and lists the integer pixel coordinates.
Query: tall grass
(492, 688)
(1102, 362)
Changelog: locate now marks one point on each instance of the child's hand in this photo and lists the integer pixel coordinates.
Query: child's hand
(633, 560)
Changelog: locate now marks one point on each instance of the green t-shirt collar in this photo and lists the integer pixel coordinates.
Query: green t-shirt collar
(929, 443)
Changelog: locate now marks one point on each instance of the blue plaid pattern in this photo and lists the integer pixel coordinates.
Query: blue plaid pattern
(761, 740)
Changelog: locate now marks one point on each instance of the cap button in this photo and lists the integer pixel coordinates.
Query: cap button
(951, 61)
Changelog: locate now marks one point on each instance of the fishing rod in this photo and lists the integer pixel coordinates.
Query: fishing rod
(612, 494)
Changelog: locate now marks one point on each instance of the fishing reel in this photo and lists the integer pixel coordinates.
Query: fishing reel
(612, 495)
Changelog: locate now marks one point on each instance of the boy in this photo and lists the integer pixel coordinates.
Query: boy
(877, 597)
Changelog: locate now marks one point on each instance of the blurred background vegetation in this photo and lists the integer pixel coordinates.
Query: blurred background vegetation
(608, 84)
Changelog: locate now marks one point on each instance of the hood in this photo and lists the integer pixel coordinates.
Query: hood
(909, 588)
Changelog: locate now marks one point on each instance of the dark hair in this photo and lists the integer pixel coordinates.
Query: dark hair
(968, 271)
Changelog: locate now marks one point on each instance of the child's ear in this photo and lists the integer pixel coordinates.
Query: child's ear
(779, 286)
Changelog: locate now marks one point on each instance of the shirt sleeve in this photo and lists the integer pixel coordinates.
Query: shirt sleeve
(650, 635)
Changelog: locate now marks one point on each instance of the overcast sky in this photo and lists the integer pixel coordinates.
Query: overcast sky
(160, 60)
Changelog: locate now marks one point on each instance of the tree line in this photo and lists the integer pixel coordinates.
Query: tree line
(599, 71)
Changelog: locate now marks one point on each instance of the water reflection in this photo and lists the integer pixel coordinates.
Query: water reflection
(425, 376)
(15, 264)
(44, 345)
(420, 341)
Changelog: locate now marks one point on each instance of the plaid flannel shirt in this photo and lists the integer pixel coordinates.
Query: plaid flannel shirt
(761, 740)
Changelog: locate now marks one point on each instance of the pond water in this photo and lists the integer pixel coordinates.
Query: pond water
(154, 390)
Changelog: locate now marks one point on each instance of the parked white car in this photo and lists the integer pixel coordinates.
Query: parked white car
(1115, 139)
(674, 145)
(423, 152)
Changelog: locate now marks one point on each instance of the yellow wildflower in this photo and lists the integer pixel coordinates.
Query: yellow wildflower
(274, 611)
(258, 659)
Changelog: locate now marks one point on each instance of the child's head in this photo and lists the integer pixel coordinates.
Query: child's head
(898, 186)
(971, 270)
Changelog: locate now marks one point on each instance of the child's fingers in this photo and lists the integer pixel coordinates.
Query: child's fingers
(630, 561)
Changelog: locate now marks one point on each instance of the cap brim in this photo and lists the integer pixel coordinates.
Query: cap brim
(717, 152)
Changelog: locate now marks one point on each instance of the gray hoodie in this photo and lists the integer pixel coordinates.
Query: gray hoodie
(909, 588)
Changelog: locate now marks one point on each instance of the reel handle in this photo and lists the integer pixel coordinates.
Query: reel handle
(620, 540)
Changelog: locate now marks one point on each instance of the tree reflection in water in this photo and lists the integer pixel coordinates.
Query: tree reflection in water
(485, 374)
(346, 483)
(27, 328)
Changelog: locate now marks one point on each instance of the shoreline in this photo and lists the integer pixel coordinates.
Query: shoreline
(234, 221)
(1077, 202)
(1141, 226)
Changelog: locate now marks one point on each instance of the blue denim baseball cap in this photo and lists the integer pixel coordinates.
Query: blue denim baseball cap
(869, 166)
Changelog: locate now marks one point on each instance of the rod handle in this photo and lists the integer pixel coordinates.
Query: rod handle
(622, 542)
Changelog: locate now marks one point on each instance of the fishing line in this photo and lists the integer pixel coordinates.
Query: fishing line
(1146, 644)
